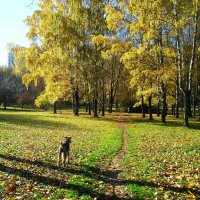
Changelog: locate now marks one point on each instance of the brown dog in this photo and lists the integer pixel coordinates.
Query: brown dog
(63, 151)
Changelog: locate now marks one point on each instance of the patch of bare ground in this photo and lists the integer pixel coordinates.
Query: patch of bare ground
(114, 190)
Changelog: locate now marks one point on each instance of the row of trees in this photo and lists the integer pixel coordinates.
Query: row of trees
(8, 86)
(13, 91)
(96, 50)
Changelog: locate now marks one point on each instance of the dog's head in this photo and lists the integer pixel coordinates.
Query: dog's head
(68, 139)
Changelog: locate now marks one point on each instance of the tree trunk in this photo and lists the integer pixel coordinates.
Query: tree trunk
(86, 107)
(198, 99)
(89, 108)
(95, 108)
(185, 73)
(100, 107)
(111, 100)
(55, 108)
(192, 60)
(178, 66)
(158, 100)
(73, 102)
(194, 106)
(103, 110)
(158, 109)
(199, 111)
(95, 102)
(5, 102)
(186, 108)
(162, 85)
(199, 106)
(150, 108)
(177, 100)
(190, 107)
(103, 99)
(142, 107)
(76, 98)
(164, 104)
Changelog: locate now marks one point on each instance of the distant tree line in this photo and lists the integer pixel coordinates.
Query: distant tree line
(13, 91)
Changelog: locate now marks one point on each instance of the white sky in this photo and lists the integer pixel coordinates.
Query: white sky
(12, 26)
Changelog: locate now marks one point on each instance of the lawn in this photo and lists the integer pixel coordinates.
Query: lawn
(28, 154)
(161, 161)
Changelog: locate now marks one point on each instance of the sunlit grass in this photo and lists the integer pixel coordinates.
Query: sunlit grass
(161, 161)
(162, 156)
(35, 136)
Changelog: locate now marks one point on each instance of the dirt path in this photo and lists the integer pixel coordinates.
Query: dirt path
(115, 190)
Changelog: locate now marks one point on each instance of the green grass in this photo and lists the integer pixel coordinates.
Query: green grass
(29, 153)
(161, 161)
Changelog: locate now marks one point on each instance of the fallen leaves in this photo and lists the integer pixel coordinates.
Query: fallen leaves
(167, 156)
(28, 164)
(11, 187)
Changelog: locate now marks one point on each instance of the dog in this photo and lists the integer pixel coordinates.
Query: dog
(63, 151)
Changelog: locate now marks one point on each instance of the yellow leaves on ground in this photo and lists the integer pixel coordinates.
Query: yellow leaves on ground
(164, 156)
(28, 165)
(11, 187)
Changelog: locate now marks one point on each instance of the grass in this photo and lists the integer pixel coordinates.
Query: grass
(161, 161)
(29, 153)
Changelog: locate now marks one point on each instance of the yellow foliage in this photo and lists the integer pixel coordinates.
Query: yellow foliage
(114, 18)
(100, 40)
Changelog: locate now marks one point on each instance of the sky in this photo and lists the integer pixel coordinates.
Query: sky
(12, 26)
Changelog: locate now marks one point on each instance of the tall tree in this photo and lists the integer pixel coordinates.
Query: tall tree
(186, 45)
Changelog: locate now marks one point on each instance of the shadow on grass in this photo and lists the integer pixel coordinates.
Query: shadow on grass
(134, 119)
(111, 118)
(33, 121)
(114, 117)
(19, 110)
(107, 176)
(177, 123)
(47, 180)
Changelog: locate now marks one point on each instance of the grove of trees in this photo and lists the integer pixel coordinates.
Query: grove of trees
(107, 52)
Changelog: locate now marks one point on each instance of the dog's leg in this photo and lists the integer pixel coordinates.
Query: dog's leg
(64, 158)
(67, 157)
(59, 157)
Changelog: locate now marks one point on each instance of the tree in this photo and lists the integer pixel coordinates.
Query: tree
(186, 46)
(52, 59)
(9, 84)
